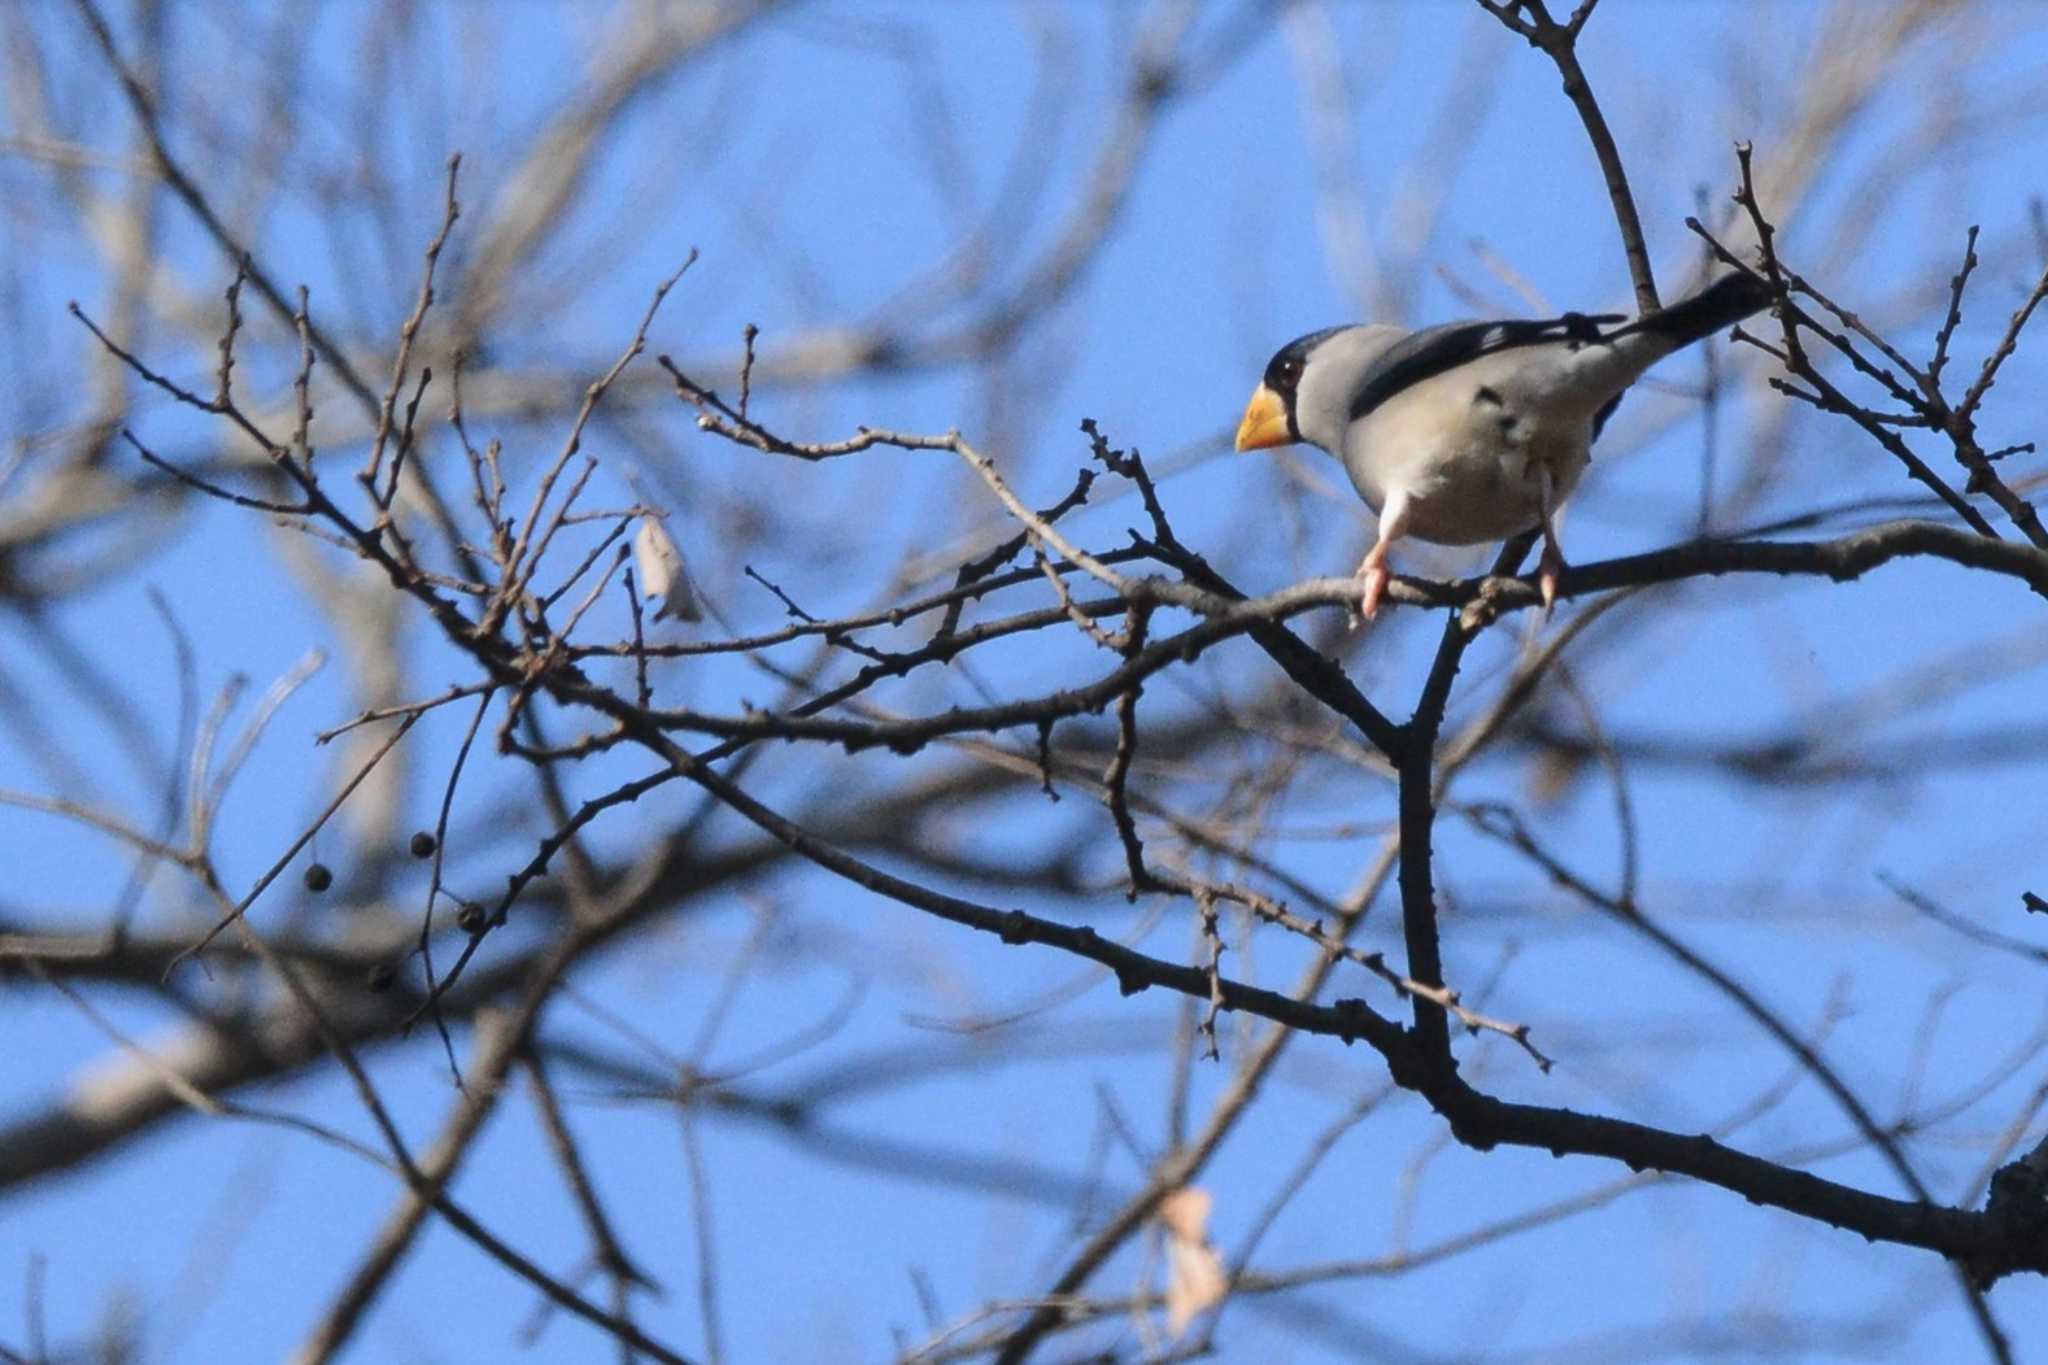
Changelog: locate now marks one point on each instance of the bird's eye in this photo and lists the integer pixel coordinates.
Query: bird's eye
(1283, 373)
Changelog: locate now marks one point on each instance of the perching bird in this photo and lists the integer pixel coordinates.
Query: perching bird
(1472, 431)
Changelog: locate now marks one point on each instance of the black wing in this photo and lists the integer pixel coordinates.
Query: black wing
(1433, 350)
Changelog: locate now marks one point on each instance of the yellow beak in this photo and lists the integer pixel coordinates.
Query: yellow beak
(1265, 422)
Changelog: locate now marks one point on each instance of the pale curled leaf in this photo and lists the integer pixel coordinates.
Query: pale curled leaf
(1185, 1213)
(1195, 1279)
(662, 574)
(1195, 1282)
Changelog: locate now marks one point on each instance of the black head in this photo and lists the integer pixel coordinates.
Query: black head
(1283, 371)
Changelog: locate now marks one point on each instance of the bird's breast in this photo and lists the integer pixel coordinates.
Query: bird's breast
(1469, 448)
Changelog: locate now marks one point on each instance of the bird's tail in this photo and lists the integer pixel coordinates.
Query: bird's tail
(1723, 303)
(1601, 372)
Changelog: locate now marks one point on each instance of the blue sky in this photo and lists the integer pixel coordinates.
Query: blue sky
(801, 160)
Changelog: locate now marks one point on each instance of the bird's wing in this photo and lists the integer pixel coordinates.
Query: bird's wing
(1435, 350)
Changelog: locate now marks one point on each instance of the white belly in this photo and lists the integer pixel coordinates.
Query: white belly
(1469, 448)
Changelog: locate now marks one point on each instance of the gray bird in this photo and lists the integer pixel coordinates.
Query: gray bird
(1472, 431)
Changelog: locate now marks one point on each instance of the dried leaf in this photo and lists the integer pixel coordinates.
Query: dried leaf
(1195, 1278)
(1185, 1213)
(660, 566)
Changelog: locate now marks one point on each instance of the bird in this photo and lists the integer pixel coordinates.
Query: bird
(1474, 431)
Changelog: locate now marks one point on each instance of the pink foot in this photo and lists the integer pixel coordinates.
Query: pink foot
(1372, 579)
(1548, 569)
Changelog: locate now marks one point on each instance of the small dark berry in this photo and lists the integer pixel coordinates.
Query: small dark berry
(422, 844)
(470, 919)
(382, 975)
(318, 877)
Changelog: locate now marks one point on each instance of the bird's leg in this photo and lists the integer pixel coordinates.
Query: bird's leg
(1372, 570)
(1372, 577)
(1551, 565)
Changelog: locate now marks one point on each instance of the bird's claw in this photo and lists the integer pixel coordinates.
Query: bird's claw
(1372, 585)
(1548, 571)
